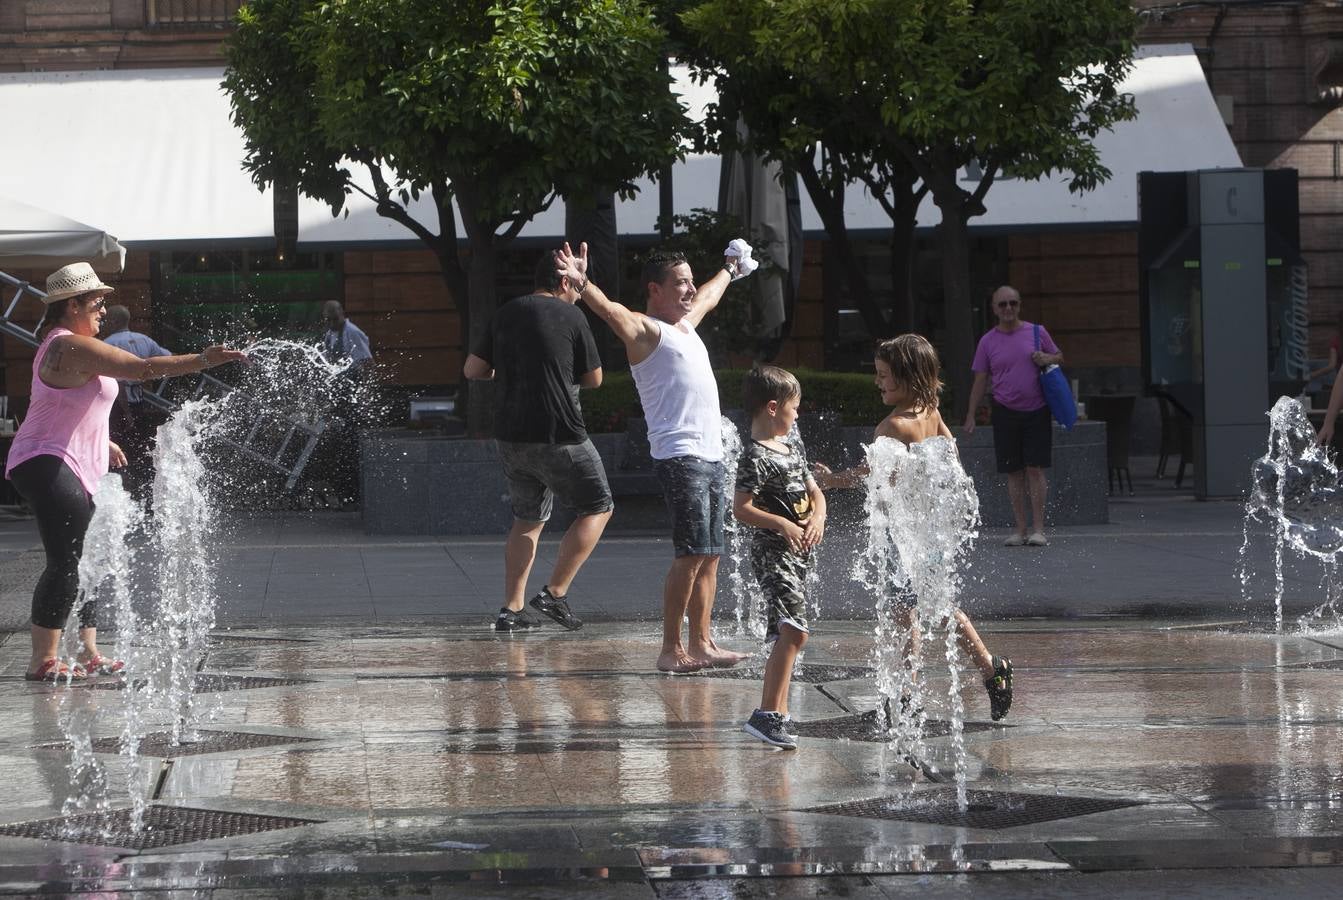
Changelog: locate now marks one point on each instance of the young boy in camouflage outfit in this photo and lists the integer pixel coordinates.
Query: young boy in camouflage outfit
(777, 495)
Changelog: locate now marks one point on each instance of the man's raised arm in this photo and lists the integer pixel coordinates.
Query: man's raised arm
(737, 263)
(632, 328)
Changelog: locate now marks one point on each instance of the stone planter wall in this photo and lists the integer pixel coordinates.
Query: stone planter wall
(415, 483)
(430, 484)
(1077, 481)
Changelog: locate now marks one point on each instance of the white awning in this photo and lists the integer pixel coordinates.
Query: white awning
(1178, 128)
(152, 155)
(32, 238)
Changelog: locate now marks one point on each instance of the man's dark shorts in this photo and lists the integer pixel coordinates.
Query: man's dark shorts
(538, 473)
(1022, 439)
(694, 491)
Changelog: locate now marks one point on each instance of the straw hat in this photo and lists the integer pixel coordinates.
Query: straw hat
(73, 280)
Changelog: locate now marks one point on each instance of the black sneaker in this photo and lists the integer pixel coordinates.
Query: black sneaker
(515, 621)
(769, 727)
(557, 608)
(999, 686)
(908, 709)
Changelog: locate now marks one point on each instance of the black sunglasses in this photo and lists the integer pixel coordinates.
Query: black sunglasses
(1003, 304)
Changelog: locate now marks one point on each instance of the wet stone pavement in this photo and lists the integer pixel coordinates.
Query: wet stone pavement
(1141, 758)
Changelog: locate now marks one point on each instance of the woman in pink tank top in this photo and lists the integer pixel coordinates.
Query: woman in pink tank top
(62, 450)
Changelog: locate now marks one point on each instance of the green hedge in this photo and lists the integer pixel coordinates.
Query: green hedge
(849, 394)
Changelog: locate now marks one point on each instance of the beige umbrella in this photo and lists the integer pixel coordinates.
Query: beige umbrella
(33, 238)
(750, 189)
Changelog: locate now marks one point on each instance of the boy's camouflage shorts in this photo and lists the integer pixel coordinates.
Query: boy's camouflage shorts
(782, 576)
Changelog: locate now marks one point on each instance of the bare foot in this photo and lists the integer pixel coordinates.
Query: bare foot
(679, 662)
(719, 658)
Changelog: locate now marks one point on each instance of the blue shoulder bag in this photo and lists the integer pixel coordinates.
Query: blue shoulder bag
(1058, 394)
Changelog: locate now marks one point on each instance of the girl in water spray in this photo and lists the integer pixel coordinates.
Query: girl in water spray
(907, 377)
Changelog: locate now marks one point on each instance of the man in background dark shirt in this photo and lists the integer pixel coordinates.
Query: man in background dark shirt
(540, 351)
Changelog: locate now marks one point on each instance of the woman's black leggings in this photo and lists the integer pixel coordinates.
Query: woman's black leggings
(63, 511)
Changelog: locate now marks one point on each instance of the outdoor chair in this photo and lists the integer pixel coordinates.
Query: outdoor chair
(1117, 414)
(1177, 436)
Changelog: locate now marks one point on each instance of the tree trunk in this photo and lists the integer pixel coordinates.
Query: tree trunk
(958, 347)
(454, 277)
(481, 292)
(830, 207)
(594, 220)
(902, 266)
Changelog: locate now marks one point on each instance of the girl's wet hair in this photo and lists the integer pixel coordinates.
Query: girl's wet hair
(765, 383)
(913, 362)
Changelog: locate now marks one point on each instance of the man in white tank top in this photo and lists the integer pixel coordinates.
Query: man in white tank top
(676, 385)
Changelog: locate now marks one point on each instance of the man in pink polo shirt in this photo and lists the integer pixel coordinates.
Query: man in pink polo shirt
(1022, 434)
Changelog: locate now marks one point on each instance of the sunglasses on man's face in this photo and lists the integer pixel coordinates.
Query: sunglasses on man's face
(1004, 304)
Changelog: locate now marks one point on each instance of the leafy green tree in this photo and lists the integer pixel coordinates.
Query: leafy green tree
(984, 86)
(794, 121)
(497, 107)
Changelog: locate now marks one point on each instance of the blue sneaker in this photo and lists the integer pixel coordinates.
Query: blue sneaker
(769, 727)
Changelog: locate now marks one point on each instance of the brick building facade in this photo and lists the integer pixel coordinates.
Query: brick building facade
(1276, 70)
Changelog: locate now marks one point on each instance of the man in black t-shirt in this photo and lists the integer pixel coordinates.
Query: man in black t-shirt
(540, 351)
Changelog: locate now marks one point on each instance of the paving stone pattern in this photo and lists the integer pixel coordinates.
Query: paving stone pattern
(1132, 745)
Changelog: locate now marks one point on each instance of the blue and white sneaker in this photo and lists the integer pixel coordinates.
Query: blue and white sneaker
(769, 727)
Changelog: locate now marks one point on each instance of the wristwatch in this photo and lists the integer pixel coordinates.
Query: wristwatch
(730, 268)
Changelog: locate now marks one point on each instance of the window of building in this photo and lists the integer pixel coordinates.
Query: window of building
(238, 295)
(192, 12)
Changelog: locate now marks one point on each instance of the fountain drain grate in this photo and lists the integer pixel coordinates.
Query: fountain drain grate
(986, 809)
(863, 727)
(213, 683)
(164, 826)
(807, 673)
(159, 743)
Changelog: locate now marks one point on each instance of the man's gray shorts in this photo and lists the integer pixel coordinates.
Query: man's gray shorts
(538, 473)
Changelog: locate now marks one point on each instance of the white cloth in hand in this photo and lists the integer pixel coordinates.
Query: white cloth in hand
(741, 251)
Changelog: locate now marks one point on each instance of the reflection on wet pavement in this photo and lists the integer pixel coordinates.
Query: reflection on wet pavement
(463, 762)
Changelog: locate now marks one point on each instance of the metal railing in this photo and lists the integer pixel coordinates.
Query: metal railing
(191, 12)
(279, 443)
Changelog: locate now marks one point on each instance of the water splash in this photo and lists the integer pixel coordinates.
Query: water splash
(186, 543)
(106, 577)
(1295, 491)
(176, 542)
(735, 567)
(922, 517)
(288, 384)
